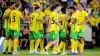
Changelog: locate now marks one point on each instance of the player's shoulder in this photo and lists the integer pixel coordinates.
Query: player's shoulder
(17, 11)
(54, 13)
(34, 14)
(8, 10)
(74, 14)
(84, 11)
(41, 12)
(62, 15)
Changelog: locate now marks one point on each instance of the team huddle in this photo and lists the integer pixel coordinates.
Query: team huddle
(56, 27)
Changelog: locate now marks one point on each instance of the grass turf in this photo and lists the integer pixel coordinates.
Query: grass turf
(87, 52)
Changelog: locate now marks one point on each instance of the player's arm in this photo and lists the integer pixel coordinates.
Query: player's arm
(26, 16)
(74, 21)
(57, 22)
(6, 16)
(87, 19)
(63, 18)
(45, 19)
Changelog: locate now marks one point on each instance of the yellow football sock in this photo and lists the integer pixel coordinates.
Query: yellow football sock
(81, 47)
(64, 46)
(60, 46)
(37, 43)
(48, 46)
(72, 45)
(54, 48)
(76, 46)
(41, 45)
(5, 45)
(15, 45)
(10, 45)
(32, 45)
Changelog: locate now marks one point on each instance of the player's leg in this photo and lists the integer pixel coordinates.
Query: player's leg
(16, 35)
(63, 40)
(76, 42)
(55, 47)
(42, 42)
(32, 40)
(6, 41)
(72, 40)
(76, 46)
(38, 40)
(10, 43)
(26, 41)
(81, 41)
(54, 50)
(55, 37)
(64, 46)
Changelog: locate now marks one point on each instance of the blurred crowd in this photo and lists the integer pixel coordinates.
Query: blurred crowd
(91, 6)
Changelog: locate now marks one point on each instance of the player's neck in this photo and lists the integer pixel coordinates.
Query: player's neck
(73, 12)
(36, 12)
(55, 10)
(80, 9)
(16, 8)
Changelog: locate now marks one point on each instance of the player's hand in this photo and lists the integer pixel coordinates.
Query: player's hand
(26, 11)
(82, 23)
(61, 27)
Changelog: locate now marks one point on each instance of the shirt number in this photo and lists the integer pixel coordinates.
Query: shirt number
(13, 19)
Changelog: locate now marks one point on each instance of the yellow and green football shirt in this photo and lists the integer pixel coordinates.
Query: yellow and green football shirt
(64, 22)
(41, 17)
(7, 21)
(74, 27)
(33, 22)
(47, 12)
(53, 26)
(81, 15)
(92, 21)
(15, 18)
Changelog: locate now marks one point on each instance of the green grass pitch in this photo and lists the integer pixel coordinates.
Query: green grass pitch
(87, 52)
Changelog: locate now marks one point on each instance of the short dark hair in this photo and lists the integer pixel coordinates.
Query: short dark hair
(17, 5)
(55, 6)
(81, 4)
(63, 10)
(10, 4)
(72, 8)
(36, 7)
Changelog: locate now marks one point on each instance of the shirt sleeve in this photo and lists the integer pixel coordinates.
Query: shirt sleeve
(21, 16)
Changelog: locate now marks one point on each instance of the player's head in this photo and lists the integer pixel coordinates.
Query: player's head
(37, 8)
(72, 9)
(63, 10)
(34, 6)
(80, 6)
(11, 5)
(18, 5)
(56, 7)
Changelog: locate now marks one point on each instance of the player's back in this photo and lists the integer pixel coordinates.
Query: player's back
(53, 26)
(15, 17)
(6, 21)
(40, 24)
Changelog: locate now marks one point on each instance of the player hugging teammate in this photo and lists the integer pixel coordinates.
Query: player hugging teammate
(56, 28)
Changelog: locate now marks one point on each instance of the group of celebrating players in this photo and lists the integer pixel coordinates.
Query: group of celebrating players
(56, 27)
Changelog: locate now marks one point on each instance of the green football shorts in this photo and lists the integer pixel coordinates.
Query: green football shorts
(53, 35)
(62, 34)
(74, 35)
